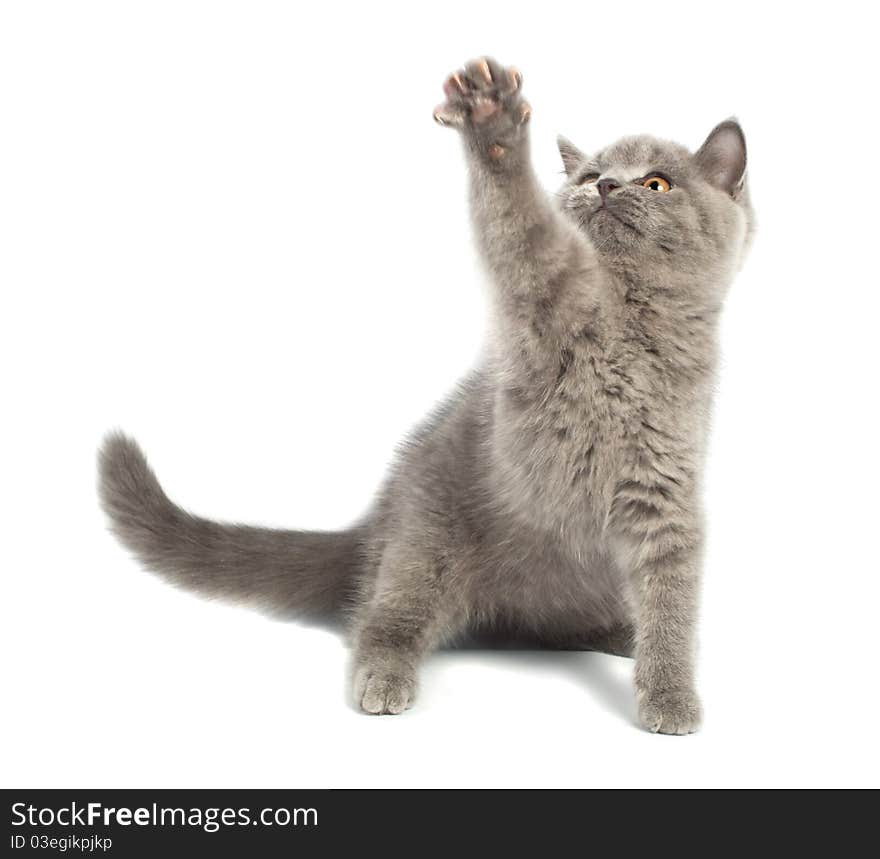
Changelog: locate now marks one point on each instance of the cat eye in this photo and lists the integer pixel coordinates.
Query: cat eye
(589, 179)
(656, 183)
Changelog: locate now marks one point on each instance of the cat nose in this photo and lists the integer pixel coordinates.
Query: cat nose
(606, 186)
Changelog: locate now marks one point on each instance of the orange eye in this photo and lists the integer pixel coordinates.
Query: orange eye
(656, 183)
(589, 178)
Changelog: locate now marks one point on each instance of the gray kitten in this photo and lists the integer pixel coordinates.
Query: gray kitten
(556, 495)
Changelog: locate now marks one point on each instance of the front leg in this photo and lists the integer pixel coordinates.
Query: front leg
(663, 557)
(538, 260)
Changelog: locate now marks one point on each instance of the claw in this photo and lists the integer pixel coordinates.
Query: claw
(447, 116)
(454, 85)
(485, 71)
(515, 78)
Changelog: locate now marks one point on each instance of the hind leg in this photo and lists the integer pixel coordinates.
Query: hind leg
(406, 617)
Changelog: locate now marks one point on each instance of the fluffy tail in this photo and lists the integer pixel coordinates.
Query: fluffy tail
(285, 572)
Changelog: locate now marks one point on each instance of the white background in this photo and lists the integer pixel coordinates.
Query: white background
(233, 230)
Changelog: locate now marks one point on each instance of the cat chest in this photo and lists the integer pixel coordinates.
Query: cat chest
(566, 452)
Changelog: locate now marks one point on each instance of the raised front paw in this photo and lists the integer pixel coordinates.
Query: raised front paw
(673, 711)
(486, 98)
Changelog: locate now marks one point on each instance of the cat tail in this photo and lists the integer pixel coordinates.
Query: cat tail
(308, 573)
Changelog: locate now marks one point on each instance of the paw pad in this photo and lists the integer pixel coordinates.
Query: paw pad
(483, 94)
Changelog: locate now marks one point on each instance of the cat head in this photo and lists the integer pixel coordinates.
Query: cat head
(656, 211)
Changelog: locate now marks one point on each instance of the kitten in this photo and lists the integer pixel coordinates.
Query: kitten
(555, 495)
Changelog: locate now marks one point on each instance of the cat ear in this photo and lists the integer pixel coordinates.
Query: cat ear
(572, 157)
(722, 158)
